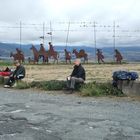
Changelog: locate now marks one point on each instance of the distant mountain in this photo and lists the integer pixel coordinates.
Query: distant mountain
(6, 48)
(129, 53)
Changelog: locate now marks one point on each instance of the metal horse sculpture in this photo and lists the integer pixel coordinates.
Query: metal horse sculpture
(18, 56)
(52, 53)
(67, 56)
(38, 54)
(35, 53)
(42, 53)
(81, 54)
(118, 56)
(100, 56)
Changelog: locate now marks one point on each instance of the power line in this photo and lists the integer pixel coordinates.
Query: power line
(105, 28)
(76, 26)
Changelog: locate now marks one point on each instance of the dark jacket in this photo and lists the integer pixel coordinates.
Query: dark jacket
(79, 72)
(20, 70)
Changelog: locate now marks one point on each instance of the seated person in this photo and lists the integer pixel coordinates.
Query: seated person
(18, 74)
(77, 75)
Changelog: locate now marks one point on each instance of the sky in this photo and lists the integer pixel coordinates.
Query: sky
(72, 22)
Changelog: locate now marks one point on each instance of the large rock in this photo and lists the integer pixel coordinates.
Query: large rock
(5, 79)
(131, 88)
(1, 79)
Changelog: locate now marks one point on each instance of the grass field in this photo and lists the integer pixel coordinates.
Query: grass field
(53, 77)
(94, 72)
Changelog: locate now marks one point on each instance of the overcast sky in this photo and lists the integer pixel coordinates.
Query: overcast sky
(32, 14)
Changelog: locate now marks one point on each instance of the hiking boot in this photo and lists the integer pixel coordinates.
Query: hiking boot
(66, 89)
(6, 86)
(71, 91)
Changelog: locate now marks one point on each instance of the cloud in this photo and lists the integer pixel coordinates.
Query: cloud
(104, 12)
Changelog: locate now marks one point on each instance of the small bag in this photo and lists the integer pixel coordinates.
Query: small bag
(125, 75)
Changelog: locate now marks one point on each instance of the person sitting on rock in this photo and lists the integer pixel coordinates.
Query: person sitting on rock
(77, 75)
(18, 74)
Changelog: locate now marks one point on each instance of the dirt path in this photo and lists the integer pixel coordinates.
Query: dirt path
(40, 115)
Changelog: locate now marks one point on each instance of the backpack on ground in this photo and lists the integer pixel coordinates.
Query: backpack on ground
(125, 75)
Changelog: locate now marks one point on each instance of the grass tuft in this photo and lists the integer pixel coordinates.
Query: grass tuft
(88, 89)
(49, 85)
(99, 89)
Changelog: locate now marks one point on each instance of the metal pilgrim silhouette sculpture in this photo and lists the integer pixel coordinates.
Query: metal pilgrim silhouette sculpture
(45, 55)
(52, 53)
(100, 56)
(118, 57)
(81, 54)
(18, 56)
(67, 56)
(42, 53)
(36, 55)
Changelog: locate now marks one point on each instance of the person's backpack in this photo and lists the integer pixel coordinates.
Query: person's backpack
(125, 75)
(133, 75)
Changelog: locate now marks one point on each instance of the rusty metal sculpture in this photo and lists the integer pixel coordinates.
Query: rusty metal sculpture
(100, 56)
(52, 53)
(38, 54)
(118, 56)
(18, 56)
(42, 53)
(81, 54)
(67, 56)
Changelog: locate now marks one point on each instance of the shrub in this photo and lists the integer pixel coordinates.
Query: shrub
(49, 85)
(89, 89)
(99, 89)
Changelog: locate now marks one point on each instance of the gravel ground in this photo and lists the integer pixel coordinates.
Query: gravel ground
(39, 115)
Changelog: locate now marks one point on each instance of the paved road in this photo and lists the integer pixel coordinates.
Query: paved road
(37, 115)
